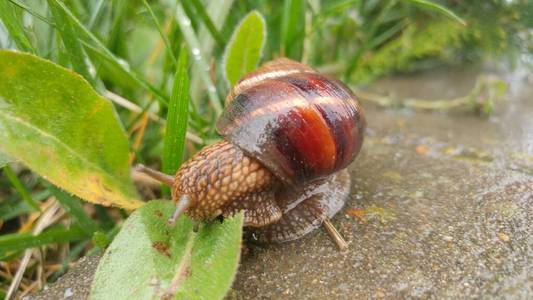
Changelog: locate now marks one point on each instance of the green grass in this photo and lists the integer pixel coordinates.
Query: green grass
(178, 114)
(152, 54)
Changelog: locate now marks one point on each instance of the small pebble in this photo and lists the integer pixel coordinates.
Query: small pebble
(68, 293)
(503, 237)
(447, 238)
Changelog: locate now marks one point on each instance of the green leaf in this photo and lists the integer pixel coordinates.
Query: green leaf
(14, 26)
(245, 48)
(5, 159)
(440, 9)
(177, 117)
(149, 259)
(293, 28)
(22, 241)
(55, 123)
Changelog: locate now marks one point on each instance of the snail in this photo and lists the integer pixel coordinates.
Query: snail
(288, 135)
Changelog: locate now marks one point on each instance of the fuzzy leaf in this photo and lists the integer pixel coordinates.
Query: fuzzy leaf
(150, 259)
(55, 123)
(245, 48)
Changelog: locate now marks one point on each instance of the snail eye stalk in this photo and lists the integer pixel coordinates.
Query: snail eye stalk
(181, 206)
(159, 176)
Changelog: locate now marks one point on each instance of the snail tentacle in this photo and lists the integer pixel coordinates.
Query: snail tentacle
(181, 206)
(159, 176)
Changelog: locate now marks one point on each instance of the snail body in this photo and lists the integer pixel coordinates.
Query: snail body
(289, 133)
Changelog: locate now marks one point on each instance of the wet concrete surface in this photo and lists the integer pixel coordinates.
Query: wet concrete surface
(441, 207)
(76, 284)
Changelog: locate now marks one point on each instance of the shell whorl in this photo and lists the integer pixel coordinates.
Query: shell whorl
(300, 124)
(270, 70)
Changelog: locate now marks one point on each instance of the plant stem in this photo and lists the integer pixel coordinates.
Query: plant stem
(335, 235)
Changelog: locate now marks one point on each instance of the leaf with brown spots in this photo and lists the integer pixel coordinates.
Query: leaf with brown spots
(162, 248)
(150, 259)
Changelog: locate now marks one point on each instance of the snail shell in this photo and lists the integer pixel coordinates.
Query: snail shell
(288, 134)
(300, 124)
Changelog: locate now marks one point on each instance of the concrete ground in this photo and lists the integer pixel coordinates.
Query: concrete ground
(441, 207)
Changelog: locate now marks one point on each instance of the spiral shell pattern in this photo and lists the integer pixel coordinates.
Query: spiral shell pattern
(300, 124)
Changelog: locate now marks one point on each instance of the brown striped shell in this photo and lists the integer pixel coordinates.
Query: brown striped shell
(300, 124)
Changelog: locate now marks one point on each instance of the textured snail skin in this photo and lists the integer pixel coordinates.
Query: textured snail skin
(305, 209)
(289, 134)
(220, 174)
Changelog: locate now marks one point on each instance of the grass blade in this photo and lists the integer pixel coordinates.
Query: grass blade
(160, 30)
(12, 208)
(177, 117)
(24, 194)
(73, 207)
(10, 211)
(370, 33)
(95, 13)
(218, 11)
(440, 9)
(91, 41)
(31, 11)
(194, 46)
(293, 28)
(5, 159)
(208, 22)
(14, 26)
(114, 39)
(245, 48)
(387, 34)
(21, 241)
(73, 47)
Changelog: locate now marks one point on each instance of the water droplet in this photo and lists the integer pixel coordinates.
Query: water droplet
(123, 63)
(67, 293)
(196, 52)
(91, 68)
(212, 89)
(186, 22)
